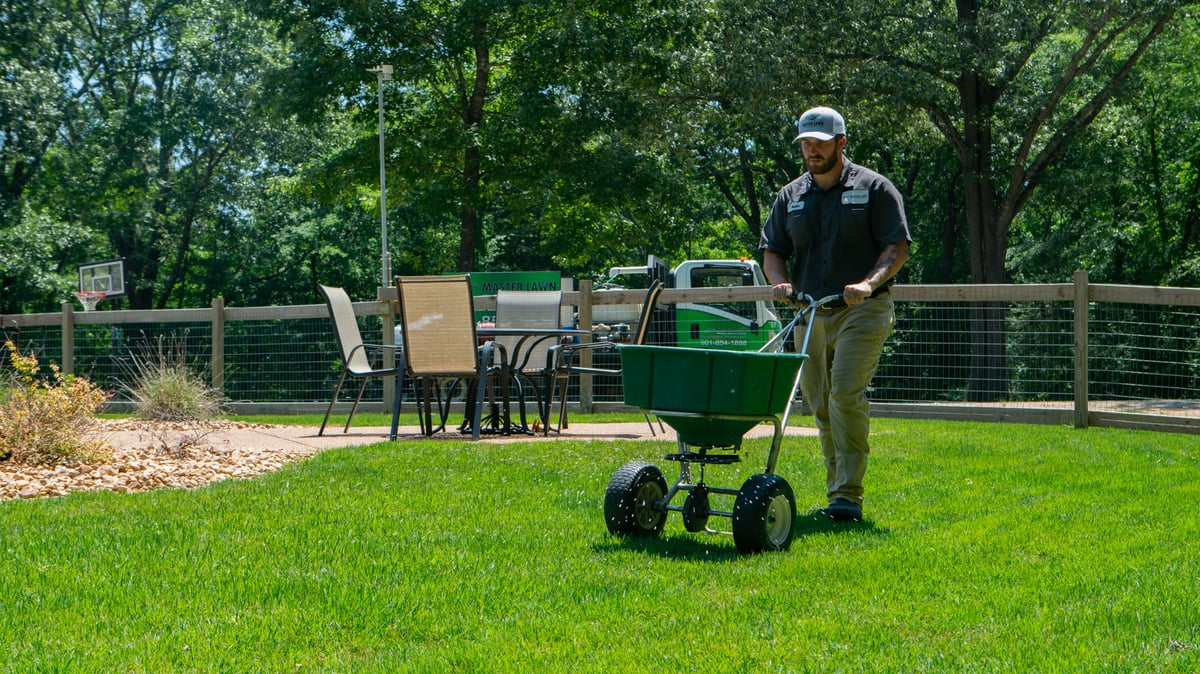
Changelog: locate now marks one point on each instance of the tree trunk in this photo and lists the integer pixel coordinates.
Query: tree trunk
(472, 156)
(989, 353)
(989, 356)
(469, 223)
(950, 237)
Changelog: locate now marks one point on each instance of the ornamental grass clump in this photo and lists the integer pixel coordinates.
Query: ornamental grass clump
(164, 387)
(45, 419)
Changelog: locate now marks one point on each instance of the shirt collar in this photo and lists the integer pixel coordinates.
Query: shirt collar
(849, 175)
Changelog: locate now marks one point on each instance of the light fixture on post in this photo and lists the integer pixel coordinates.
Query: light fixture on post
(383, 73)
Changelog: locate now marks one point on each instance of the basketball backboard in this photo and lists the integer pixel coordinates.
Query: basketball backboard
(107, 276)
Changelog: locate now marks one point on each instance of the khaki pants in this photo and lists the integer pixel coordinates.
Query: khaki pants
(843, 353)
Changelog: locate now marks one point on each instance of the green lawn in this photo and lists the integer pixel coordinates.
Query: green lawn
(986, 547)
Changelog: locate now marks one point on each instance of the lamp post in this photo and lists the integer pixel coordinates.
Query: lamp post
(383, 73)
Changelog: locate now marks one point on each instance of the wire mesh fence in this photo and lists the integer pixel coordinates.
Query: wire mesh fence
(934, 354)
(279, 361)
(1144, 358)
(1002, 351)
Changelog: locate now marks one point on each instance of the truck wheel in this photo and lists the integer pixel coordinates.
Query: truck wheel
(632, 502)
(764, 514)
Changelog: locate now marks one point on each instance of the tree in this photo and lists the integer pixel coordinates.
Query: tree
(450, 61)
(168, 118)
(1010, 86)
(33, 242)
(1138, 164)
(31, 108)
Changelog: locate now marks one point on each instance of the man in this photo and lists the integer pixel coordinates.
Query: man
(842, 229)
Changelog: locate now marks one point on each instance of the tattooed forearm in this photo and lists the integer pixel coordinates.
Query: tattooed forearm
(890, 261)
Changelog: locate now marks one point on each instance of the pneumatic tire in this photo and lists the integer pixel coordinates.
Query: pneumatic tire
(764, 514)
(633, 500)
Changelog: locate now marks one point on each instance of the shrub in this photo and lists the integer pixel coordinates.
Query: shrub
(165, 388)
(46, 419)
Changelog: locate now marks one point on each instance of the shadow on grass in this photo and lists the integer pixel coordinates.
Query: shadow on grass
(816, 523)
(719, 547)
(682, 547)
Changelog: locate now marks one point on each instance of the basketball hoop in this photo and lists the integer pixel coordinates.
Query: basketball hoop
(89, 298)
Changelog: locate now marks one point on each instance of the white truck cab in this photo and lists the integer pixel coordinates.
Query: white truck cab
(734, 326)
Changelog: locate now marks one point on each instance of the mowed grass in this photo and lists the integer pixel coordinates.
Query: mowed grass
(986, 548)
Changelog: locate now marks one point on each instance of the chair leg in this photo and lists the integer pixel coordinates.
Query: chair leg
(485, 363)
(433, 396)
(337, 389)
(357, 398)
(468, 404)
(396, 404)
(546, 403)
(556, 385)
(562, 402)
(477, 413)
(443, 404)
(497, 395)
(424, 410)
(521, 381)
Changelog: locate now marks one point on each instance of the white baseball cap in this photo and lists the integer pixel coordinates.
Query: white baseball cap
(820, 123)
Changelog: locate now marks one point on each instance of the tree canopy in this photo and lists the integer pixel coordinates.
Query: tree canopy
(231, 149)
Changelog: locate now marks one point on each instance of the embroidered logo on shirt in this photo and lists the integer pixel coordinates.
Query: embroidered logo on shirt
(795, 206)
(855, 197)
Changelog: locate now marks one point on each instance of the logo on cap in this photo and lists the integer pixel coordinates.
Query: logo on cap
(821, 123)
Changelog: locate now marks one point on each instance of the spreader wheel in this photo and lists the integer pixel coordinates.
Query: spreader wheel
(764, 514)
(695, 509)
(632, 500)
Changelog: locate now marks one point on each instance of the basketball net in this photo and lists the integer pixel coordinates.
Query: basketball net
(89, 298)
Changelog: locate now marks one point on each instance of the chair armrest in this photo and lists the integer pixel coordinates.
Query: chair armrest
(536, 343)
(487, 357)
(375, 348)
(559, 356)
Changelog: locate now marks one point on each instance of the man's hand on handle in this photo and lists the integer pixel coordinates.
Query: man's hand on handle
(856, 293)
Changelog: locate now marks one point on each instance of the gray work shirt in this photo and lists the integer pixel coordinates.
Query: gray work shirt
(834, 237)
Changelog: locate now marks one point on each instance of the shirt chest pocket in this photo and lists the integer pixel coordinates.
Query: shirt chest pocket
(800, 224)
(854, 212)
(854, 221)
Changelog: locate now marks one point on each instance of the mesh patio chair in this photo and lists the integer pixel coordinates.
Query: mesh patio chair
(564, 358)
(525, 356)
(437, 316)
(359, 360)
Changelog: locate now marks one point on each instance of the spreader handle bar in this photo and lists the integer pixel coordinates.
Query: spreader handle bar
(808, 309)
(808, 306)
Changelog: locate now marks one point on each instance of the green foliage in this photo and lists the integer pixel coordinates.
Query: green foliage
(44, 419)
(167, 119)
(231, 149)
(1139, 220)
(33, 252)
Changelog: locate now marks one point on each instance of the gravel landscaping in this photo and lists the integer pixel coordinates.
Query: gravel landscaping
(162, 454)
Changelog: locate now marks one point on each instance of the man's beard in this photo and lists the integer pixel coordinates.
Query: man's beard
(821, 167)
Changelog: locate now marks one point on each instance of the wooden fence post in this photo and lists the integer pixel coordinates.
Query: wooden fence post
(218, 344)
(389, 356)
(585, 355)
(1081, 348)
(68, 338)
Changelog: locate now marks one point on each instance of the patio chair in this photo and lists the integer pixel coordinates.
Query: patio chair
(534, 310)
(437, 315)
(563, 358)
(359, 360)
